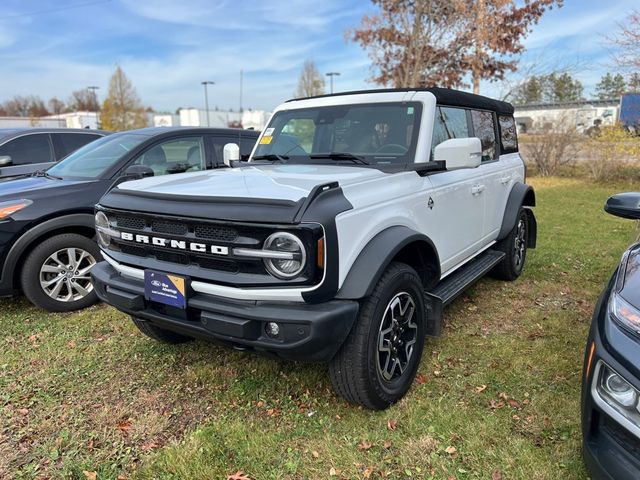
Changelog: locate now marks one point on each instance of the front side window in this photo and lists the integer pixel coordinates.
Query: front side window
(484, 129)
(28, 149)
(449, 123)
(380, 133)
(95, 158)
(174, 156)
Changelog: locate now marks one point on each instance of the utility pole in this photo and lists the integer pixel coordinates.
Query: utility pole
(92, 89)
(206, 98)
(331, 75)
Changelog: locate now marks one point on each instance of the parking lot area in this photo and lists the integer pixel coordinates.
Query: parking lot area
(85, 395)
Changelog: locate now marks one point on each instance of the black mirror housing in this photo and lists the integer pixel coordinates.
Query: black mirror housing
(625, 205)
(138, 172)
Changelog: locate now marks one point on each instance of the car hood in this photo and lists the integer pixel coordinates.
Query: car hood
(30, 187)
(273, 182)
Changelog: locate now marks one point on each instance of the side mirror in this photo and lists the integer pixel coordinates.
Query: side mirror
(459, 153)
(5, 161)
(230, 153)
(136, 172)
(625, 205)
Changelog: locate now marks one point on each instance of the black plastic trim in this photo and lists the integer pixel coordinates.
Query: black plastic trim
(376, 255)
(521, 195)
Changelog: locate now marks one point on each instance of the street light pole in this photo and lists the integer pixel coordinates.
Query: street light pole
(93, 88)
(331, 75)
(206, 97)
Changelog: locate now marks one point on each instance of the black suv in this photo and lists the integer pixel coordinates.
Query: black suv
(611, 376)
(26, 150)
(47, 219)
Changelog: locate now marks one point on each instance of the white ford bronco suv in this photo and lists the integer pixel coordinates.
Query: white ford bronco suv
(356, 219)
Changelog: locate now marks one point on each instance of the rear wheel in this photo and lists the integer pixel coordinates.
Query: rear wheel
(159, 334)
(55, 275)
(515, 248)
(376, 365)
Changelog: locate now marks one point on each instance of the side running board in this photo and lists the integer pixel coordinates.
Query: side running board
(455, 284)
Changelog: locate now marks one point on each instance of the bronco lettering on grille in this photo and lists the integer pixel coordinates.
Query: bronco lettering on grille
(177, 244)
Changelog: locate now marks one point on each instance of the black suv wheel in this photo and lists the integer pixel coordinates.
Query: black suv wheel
(55, 275)
(376, 365)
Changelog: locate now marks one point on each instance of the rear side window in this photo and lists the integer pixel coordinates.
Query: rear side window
(449, 123)
(484, 128)
(28, 149)
(508, 134)
(65, 143)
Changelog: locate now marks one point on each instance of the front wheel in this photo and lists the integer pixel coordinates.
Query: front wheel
(376, 365)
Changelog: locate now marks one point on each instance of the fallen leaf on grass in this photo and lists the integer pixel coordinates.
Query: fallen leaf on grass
(124, 426)
(238, 476)
(451, 449)
(421, 379)
(367, 473)
(496, 475)
(364, 445)
(23, 411)
(333, 472)
(392, 424)
(315, 454)
(71, 344)
(481, 388)
(90, 475)
(493, 405)
(387, 445)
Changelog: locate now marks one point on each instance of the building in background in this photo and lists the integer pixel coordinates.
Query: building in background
(63, 120)
(194, 117)
(583, 115)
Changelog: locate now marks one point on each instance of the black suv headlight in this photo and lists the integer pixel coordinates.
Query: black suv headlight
(104, 232)
(622, 311)
(625, 313)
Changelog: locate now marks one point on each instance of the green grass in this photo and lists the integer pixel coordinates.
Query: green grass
(86, 392)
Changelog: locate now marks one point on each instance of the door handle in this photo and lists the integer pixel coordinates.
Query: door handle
(477, 189)
(505, 180)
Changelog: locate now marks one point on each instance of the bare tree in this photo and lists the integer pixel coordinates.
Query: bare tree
(56, 106)
(310, 82)
(29, 106)
(556, 146)
(83, 100)
(627, 41)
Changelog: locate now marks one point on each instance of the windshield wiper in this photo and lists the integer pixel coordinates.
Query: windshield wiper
(339, 156)
(272, 157)
(42, 173)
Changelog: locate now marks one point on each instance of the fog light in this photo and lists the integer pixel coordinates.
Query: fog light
(272, 329)
(619, 389)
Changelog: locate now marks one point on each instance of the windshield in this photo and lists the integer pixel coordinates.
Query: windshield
(95, 158)
(376, 133)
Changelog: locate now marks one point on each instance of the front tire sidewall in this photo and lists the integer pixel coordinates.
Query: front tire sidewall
(30, 275)
(391, 391)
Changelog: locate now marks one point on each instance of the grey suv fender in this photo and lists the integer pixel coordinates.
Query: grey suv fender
(394, 243)
(19, 248)
(521, 195)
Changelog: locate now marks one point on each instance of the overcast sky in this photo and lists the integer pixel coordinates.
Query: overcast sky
(167, 47)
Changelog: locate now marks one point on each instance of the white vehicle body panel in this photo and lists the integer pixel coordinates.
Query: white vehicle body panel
(460, 211)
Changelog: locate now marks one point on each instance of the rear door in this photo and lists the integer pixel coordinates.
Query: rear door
(455, 207)
(26, 154)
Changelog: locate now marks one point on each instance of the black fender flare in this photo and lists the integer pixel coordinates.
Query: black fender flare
(26, 240)
(377, 255)
(521, 195)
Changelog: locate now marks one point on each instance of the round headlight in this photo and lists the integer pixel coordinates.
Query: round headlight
(102, 229)
(289, 257)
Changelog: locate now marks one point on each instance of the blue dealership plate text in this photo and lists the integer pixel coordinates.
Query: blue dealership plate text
(164, 288)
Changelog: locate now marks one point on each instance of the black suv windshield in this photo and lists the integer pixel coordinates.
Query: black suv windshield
(372, 133)
(95, 158)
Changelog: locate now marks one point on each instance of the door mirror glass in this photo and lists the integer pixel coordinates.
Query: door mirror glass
(459, 153)
(136, 172)
(5, 160)
(230, 153)
(625, 205)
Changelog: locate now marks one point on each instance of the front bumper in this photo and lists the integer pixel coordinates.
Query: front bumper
(308, 332)
(611, 450)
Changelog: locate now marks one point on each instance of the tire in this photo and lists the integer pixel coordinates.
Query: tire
(360, 370)
(159, 334)
(50, 265)
(514, 247)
